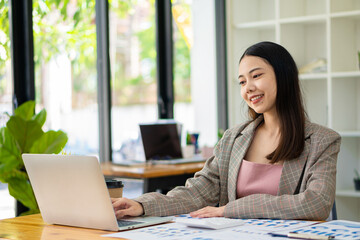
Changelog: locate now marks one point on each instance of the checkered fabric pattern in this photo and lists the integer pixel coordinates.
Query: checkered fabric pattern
(306, 189)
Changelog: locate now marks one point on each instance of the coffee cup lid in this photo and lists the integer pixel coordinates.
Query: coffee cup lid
(113, 183)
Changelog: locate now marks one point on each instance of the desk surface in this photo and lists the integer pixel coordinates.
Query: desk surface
(32, 227)
(150, 171)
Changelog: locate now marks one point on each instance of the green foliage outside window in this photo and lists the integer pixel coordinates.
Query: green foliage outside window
(4, 34)
(64, 26)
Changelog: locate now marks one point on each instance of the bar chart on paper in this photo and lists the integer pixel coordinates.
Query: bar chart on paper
(340, 229)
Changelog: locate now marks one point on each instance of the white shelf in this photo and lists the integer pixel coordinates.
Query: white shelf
(349, 133)
(354, 14)
(311, 76)
(346, 74)
(271, 23)
(257, 25)
(304, 19)
(348, 193)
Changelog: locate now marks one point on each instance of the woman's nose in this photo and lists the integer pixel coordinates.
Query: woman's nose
(250, 87)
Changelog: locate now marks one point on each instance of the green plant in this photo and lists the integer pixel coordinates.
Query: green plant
(220, 133)
(357, 175)
(23, 134)
(188, 139)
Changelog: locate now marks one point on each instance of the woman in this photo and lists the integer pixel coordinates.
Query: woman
(278, 165)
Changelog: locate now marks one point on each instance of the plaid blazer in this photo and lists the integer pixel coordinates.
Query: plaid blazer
(306, 189)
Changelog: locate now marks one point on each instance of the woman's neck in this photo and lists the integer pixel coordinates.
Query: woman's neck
(271, 124)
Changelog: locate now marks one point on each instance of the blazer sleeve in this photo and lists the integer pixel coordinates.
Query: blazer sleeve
(314, 201)
(200, 191)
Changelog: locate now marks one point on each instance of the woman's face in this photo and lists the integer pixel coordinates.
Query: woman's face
(258, 84)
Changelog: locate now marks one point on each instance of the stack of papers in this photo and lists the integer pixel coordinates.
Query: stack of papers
(255, 229)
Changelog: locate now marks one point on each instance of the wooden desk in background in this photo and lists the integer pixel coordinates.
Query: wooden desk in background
(156, 177)
(32, 227)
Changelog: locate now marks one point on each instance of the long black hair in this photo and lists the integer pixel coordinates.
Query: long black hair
(289, 103)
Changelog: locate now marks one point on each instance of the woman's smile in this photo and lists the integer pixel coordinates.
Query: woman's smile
(256, 99)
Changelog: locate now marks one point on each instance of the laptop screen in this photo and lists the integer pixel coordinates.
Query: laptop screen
(161, 141)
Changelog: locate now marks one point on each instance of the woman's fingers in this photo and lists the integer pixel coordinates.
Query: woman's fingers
(208, 212)
(126, 207)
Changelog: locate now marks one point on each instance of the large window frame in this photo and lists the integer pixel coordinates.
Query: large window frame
(22, 51)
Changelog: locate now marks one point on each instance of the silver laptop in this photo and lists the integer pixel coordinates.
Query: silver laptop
(71, 190)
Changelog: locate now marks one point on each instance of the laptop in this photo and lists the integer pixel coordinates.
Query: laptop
(71, 190)
(162, 143)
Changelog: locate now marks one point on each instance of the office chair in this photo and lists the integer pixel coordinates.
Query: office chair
(333, 213)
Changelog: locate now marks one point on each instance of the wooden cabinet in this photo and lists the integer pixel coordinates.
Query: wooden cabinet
(323, 36)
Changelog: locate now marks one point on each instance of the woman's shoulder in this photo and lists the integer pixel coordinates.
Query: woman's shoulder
(318, 132)
(246, 127)
(238, 129)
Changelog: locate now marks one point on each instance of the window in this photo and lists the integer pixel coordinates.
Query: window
(65, 70)
(7, 202)
(194, 69)
(5, 60)
(66, 64)
(133, 74)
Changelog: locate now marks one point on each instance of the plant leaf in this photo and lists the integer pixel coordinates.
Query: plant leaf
(25, 110)
(5, 176)
(24, 132)
(50, 142)
(63, 10)
(31, 211)
(8, 148)
(21, 190)
(9, 154)
(40, 117)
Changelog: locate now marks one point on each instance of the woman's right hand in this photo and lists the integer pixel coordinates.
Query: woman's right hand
(126, 207)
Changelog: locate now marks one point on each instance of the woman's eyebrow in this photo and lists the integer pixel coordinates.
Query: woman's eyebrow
(252, 70)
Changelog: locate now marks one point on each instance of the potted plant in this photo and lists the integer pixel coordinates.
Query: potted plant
(23, 134)
(357, 180)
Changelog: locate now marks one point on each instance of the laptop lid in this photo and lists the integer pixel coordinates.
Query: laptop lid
(161, 141)
(71, 190)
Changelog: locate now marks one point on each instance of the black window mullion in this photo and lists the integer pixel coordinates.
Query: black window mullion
(22, 59)
(164, 59)
(22, 51)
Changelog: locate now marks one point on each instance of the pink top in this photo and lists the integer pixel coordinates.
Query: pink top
(258, 178)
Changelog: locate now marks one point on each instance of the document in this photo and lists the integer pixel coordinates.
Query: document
(167, 231)
(256, 229)
(340, 229)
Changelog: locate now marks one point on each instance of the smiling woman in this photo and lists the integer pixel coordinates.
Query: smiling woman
(278, 148)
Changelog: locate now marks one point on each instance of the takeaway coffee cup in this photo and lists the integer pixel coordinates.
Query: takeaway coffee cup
(115, 187)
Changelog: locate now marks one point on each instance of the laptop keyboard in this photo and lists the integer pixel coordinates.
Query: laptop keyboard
(123, 223)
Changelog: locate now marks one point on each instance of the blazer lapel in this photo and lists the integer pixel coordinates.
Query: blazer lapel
(239, 149)
(292, 169)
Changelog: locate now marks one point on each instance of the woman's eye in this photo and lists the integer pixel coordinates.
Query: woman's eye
(257, 75)
(241, 83)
